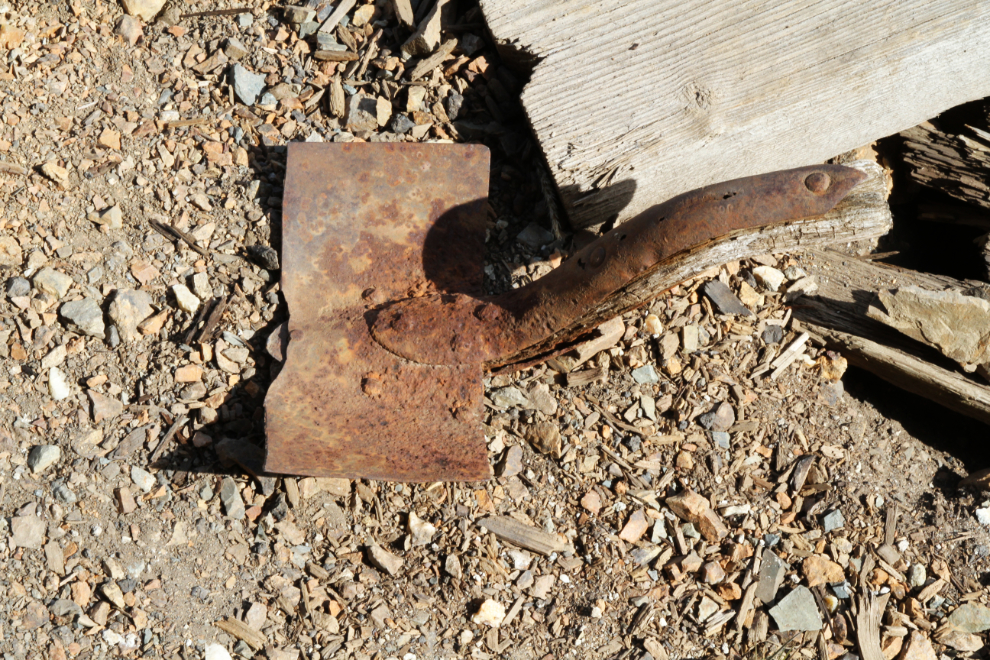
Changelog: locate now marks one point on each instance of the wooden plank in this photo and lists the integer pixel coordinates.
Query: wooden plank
(864, 214)
(635, 101)
(956, 164)
(836, 315)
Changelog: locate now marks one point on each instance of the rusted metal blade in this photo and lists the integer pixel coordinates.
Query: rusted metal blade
(364, 224)
(465, 329)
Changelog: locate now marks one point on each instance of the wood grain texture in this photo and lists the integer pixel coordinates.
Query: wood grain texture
(957, 164)
(836, 315)
(635, 101)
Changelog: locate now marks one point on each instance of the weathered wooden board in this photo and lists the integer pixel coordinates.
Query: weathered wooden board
(635, 101)
(957, 164)
(836, 315)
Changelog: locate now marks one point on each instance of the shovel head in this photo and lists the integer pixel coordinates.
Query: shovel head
(364, 224)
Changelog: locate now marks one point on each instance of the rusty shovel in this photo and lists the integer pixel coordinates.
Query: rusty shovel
(390, 332)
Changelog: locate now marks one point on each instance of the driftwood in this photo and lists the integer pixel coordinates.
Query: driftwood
(864, 214)
(837, 317)
(636, 101)
(957, 164)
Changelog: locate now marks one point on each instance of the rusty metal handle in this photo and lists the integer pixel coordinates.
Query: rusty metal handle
(450, 329)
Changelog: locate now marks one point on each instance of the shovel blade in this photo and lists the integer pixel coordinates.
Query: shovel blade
(364, 224)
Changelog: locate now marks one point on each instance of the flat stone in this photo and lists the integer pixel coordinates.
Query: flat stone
(127, 310)
(635, 527)
(256, 616)
(146, 10)
(112, 217)
(58, 385)
(646, 374)
(185, 299)
(143, 479)
(247, 85)
(231, 498)
(819, 571)
(42, 457)
(541, 400)
(706, 609)
(296, 14)
(104, 407)
(773, 334)
(234, 49)
(772, 570)
(17, 287)
(712, 573)
(362, 113)
(592, 502)
(84, 317)
(797, 610)
(953, 323)
(27, 531)
(960, 641)
(534, 236)
(695, 509)
(452, 566)
(832, 521)
(383, 559)
(129, 28)
(511, 463)
(971, 618)
(918, 647)
(769, 278)
(422, 532)
(724, 301)
(190, 373)
(720, 419)
(507, 397)
(52, 282)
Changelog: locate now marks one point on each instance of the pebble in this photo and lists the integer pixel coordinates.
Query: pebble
(832, 520)
(52, 282)
(146, 10)
(646, 374)
(247, 86)
(264, 256)
(186, 299)
(362, 114)
(695, 509)
(511, 463)
(507, 397)
(724, 301)
(64, 493)
(452, 566)
(112, 218)
(18, 287)
(27, 531)
(720, 419)
(706, 608)
(491, 613)
(773, 334)
(58, 386)
(216, 652)
(422, 532)
(143, 479)
(42, 457)
(401, 124)
(534, 236)
(231, 498)
(797, 611)
(545, 438)
(127, 309)
(918, 647)
(772, 570)
(769, 278)
(917, 575)
(84, 316)
(129, 28)
(635, 527)
(104, 407)
(971, 618)
(383, 559)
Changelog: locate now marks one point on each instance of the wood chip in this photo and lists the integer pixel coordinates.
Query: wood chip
(524, 536)
(242, 631)
(427, 64)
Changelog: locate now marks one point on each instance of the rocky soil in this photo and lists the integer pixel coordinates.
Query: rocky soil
(693, 481)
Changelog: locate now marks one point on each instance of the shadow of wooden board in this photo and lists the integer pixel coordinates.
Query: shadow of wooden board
(673, 96)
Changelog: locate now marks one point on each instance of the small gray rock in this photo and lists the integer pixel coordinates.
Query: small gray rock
(721, 438)
(773, 334)
(797, 611)
(296, 14)
(772, 570)
(507, 397)
(511, 463)
(724, 300)
(247, 86)
(64, 607)
(453, 105)
(647, 374)
(231, 498)
(27, 531)
(534, 236)
(833, 520)
(64, 493)
(245, 20)
(142, 479)
(720, 419)
(84, 316)
(42, 457)
(264, 256)
(401, 124)
(127, 309)
(18, 287)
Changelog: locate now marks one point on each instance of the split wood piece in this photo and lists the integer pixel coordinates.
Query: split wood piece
(12, 168)
(694, 89)
(837, 317)
(242, 631)
(426, 65)
(199, 335)
(338, 14)
(863, 214)
(404, 12)
(868, 624)
(174, 233)
(956, 164)
(524, 536)
(179, 423)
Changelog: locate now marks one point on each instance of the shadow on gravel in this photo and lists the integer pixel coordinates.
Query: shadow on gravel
(933, 424)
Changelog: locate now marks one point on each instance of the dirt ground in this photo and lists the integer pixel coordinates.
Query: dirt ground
(684, 496)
